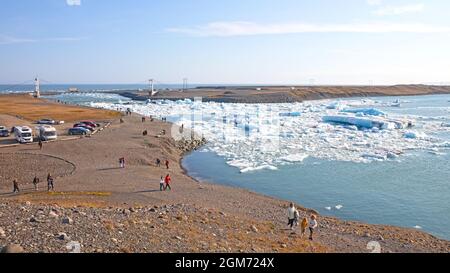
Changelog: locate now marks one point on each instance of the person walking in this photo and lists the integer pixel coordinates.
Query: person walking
(41, 145)
(167, 164)
(50, 183)
(167, 182)
(158, 162)
(122, 162)
(16, 186)
(161, 184)
(292, 212)
(36, 183)
(312, 226)
(303, 226)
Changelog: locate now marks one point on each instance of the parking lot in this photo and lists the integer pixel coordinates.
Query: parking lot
(10, 121)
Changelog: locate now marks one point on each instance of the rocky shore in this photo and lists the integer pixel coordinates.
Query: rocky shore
(103, 208)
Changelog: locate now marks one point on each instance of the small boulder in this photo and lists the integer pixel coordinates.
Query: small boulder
(254, 229)
(13, 248)
(53, 214)
(67, 220)
(2, 232)
(63, 236)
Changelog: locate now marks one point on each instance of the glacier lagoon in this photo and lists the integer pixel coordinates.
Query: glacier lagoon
(386, 175)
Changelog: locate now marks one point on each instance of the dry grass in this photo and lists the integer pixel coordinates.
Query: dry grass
(29, 108)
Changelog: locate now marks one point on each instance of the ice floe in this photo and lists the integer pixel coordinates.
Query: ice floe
(255, 137)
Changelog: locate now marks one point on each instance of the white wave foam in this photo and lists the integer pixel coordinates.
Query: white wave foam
(259, 168)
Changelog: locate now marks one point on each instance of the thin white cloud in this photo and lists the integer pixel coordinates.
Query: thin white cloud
(227, 29)
(8, 40)
(398, 10)
(73, 2)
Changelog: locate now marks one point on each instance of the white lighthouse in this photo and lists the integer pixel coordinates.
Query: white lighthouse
(37, 91)
(152, 91)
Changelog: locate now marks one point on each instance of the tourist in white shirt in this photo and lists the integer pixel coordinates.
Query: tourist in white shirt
(312, 226)
(292, 216)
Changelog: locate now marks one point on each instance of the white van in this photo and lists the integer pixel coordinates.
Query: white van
(46, 133)
(23, 134)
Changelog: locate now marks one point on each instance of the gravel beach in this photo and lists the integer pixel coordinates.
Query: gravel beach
(105, 208)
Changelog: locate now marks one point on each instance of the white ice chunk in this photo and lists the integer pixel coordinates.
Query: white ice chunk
(295, 157)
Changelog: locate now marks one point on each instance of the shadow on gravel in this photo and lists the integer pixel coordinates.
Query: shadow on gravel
(108, 169)
(147, 191)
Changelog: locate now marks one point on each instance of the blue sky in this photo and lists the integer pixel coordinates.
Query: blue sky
(232, 41)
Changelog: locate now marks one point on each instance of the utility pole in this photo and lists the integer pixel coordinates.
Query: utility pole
(37, 89)
(185, 84)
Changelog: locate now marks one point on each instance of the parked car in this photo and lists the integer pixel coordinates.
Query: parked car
(46, 121)
(78, 131)
(4, 132)
(90, 123)
(85, 126)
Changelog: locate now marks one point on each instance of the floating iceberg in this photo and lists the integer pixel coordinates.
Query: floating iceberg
(290, 114)
(259, 168)
(359, 122)
(365, 111)
(415, 135)
(336, 105)
(255, 137)
(295, 158)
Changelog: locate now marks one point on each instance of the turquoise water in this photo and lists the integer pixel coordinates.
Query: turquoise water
(412, 191)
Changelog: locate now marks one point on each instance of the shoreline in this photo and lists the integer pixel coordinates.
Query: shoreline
(298, 206)
(274, 94)
(336, 235)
